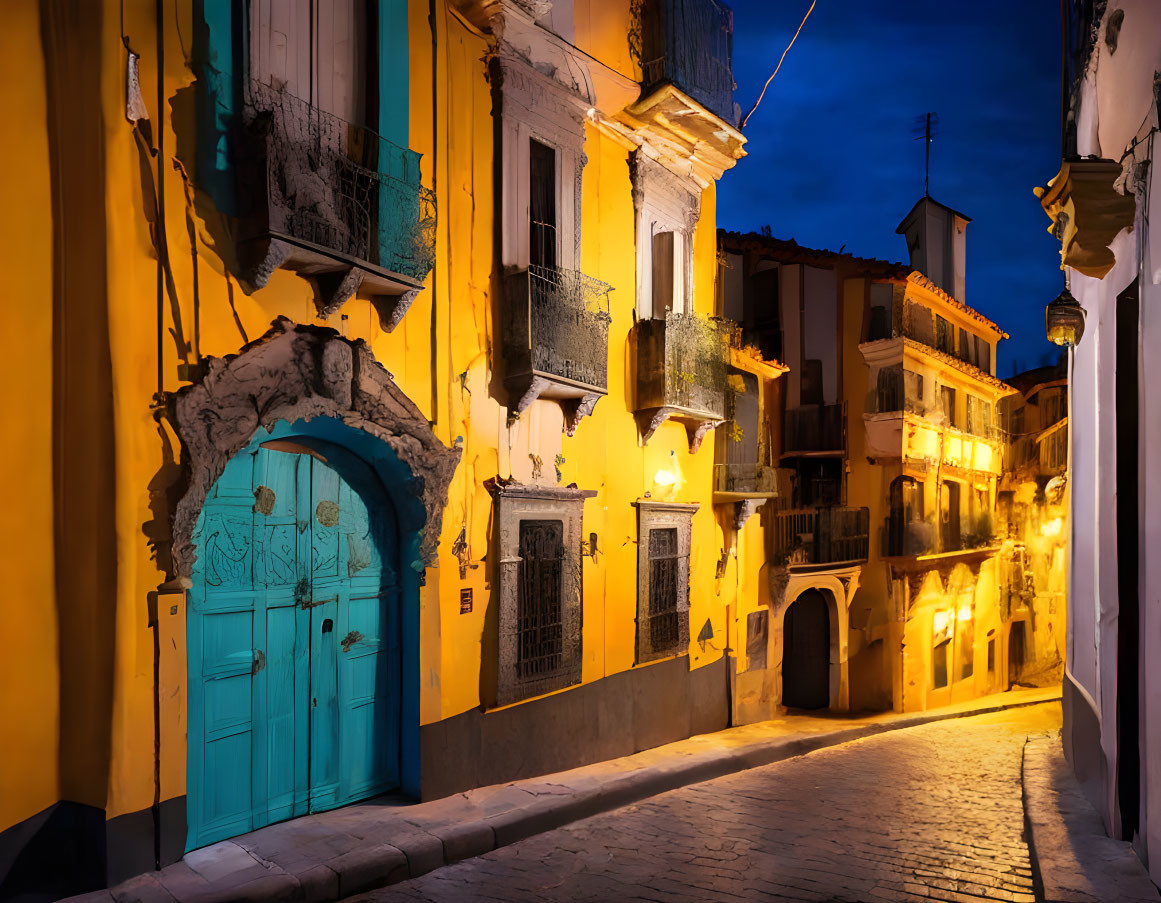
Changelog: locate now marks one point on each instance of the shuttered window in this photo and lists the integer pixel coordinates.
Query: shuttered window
(542, 232)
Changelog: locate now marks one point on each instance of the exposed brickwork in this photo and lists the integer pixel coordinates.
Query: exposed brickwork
(930, 813)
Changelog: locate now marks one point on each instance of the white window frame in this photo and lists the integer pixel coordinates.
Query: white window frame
(534, 107)
(663, 202)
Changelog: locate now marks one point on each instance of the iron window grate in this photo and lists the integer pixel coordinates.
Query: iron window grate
(663, 567)
(540, 615)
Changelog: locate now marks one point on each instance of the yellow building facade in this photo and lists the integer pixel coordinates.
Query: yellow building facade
(455, 261)
(889, 571)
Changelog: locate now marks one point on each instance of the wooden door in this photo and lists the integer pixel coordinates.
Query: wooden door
(806, 652)
(293, 657)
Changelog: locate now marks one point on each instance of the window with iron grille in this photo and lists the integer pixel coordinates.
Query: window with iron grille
(663, 556)
(539, 590)
(665, 530)
(541, 600)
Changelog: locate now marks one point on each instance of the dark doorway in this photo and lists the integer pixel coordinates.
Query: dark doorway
(1128, 560)
(1016, 642)
(806, 652)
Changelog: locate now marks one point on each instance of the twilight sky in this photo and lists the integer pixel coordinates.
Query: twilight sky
(832, 156)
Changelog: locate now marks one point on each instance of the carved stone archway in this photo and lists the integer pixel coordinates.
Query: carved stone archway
(298, 373)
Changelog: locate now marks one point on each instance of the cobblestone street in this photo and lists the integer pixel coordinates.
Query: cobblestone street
(929, 813)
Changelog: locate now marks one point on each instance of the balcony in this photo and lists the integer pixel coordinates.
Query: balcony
(815, 430)
(821, 536)
(921, 538)
(335, 202)
(745, 486)
(556, 339)
(689, 44)
(681, 373)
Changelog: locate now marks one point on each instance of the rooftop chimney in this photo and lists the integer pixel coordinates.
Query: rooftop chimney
(936, 241)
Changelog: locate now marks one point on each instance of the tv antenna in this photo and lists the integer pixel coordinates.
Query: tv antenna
(925, 124)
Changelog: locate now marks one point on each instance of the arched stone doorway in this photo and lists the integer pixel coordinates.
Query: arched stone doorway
(302, 643)
(807, 632)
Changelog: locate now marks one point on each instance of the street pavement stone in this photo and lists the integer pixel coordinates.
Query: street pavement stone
(928, 813)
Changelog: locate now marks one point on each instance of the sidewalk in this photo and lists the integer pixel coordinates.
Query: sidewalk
(347, 851)
(1075, 861)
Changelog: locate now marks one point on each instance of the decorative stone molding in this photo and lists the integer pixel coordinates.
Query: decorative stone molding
(297, 373)
(745, 509)
(516, 503)
(654, 516)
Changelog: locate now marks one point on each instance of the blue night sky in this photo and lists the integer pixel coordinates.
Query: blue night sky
(832, 156)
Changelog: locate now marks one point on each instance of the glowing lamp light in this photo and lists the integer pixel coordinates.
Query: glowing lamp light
(965, 613)
(664, 478)
(1064, 320)
(1052, 528)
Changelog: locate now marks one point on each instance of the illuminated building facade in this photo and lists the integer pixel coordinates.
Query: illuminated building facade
(368, 350)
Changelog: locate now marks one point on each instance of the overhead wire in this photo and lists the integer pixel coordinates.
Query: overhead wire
(746, 118)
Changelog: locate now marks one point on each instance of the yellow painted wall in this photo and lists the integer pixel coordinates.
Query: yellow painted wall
(29, 719)
(457, 318)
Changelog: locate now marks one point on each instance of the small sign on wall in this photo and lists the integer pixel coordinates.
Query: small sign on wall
(466, 600)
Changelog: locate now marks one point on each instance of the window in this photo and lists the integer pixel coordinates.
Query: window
(942, 629)
(667, 207)
(539, 574)
(889, 390)
(663, 557)
(541, 131)
(764, 301)
(664, 532)
(541, 601)
(663, 273)
(983, 354)
(949, 516)
(315, 52)
(542, 232)
(944, 335)
(967, 346)
(947, 403)
(879, 326)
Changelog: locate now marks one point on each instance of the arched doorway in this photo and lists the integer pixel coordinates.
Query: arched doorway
(293, 639)
(806, 652)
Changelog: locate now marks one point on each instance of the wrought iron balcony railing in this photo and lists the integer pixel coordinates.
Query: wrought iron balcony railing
(556, 338)
(901, 537)
(681, 372)
(829, 535)
(815, 428)
(745, 478)
(689, 44)
(333, 195)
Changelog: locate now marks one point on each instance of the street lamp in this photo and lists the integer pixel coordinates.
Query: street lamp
(1064, 319)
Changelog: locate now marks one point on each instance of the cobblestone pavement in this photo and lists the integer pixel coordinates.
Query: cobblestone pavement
(928, 813)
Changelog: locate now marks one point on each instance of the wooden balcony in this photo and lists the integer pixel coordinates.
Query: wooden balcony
(556, 339)
(821, 536)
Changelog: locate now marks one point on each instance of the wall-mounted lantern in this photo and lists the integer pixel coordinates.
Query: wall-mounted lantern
(1064, 320)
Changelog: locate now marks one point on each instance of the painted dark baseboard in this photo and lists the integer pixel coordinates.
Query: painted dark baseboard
(615, 716)
(56, 853)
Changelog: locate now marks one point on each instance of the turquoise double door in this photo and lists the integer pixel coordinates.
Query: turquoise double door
(293, 654)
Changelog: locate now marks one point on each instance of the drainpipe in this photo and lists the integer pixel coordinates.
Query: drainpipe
(156, 807)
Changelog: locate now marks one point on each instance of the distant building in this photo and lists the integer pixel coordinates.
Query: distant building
(887, 583)
(1101, 204)
(1032, 520)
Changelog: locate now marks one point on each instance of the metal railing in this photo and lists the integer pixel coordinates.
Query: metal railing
(557, 322)
(745, 478)
(815, 428)
(336, 185)
(682, 361)
(922, 536)
(821, 535)
(689, 43)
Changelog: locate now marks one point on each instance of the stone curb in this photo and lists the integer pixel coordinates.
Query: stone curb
(381, 864)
